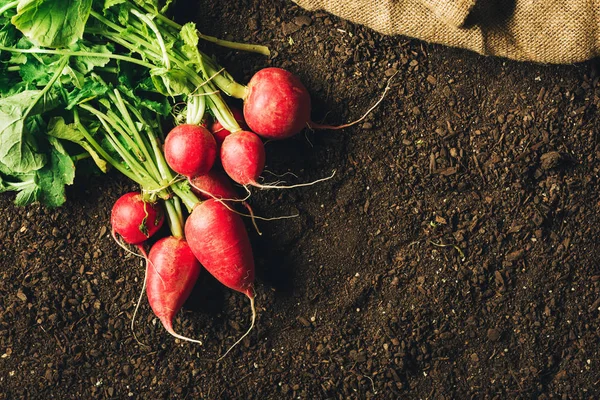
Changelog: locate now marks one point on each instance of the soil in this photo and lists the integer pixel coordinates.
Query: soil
(453, 255)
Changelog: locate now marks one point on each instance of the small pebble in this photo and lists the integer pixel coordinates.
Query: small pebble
(493, 334)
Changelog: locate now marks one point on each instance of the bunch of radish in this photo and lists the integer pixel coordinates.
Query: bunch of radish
(212, 157)
(104, 82)
(130, 62)
(214, 235)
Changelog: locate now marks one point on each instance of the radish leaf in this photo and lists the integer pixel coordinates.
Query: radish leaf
(52, 23)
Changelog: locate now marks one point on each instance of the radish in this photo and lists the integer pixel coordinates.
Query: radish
(216, 185)
(243, 157)
(218, 239)
(134, 219)
(213, 185)
(170, 279)
(276, 105)
(190, 150)
(220, 133)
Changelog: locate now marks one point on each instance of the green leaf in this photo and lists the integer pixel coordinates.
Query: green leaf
(46, 185)
(162, 108)
(110, 3)
(18, 58)
(86, 64)
(57, 128)
(72, 77)
(189, 36)
(52, 23)
(52, 179)
(170, 82)
(28, 194)
(24, 184)
(38, 70)
(18, 149)
(90, 90)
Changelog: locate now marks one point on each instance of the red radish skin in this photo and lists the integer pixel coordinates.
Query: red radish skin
(220, 133)
(190, 150)
(218, 238)
(214, 184)
(134, 219)
(171, 275)
(243, 157)
(277, 104)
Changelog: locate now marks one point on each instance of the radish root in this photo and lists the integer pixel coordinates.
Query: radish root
(277, 186)
(250, 214)
(251, 297)
(314, 125)
(169, 327)
(137, 306)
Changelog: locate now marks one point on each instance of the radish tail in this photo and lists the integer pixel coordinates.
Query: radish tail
(252, 217)
(137, 306)
(261, 186)
(121, 245)
(251, 297)
(314, 125)
(169, 327)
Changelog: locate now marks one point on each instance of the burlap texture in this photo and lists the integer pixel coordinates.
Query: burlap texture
(546, 31)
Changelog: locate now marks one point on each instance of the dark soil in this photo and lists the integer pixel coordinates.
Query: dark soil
(453, 255)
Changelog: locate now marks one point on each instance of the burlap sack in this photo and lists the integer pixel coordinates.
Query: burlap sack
(547, 31)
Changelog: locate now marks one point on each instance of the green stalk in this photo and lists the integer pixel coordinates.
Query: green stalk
(253, 48)
(177, 204)
(133, 164)
(159, 38)
(9, 6)
(174, 220)
(107, 157)
(213, 73)
(78, 54)
(184, 193)
(106, 21)
(136, 134)
(189, 198)
(224, 81)
(80, 156)
(196, 106)
(111, 120)
(219, 108)
(129, 160)
(57, 74)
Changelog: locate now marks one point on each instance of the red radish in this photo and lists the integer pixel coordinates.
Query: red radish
(171, 275)
(243, 157)
(190, 150)
(219, 240)
(277, 105)
(214, 184)
(220, 133)
(134, 219)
